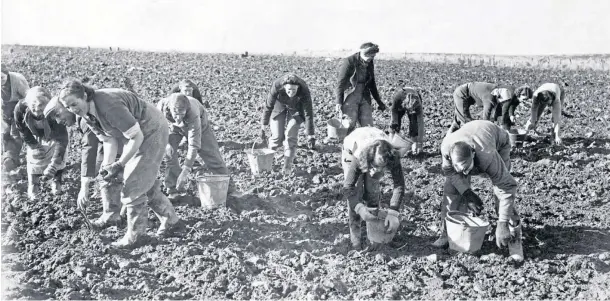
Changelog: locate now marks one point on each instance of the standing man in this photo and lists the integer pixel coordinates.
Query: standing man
(356, 76)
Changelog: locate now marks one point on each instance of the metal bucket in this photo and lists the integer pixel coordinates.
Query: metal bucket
(516, 136)
(376, 230)
(213, 190)
(260, 159)
(403, 144)
(336, 128)
(465, 232)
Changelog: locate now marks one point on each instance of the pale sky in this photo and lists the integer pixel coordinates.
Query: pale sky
(283, 26)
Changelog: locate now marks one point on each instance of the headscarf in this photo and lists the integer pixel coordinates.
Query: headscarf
(503, 94)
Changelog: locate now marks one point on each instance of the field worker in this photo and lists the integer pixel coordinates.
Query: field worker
(506, 112)
(367, 154)
(480, 147)
(115, 114)
(91, 161)
(14, 87)
(484, 95)
(46, 141)
(408, 101)
(551, 95)
(188, 118)
(288, 106)
(189, 89)
(357, 76)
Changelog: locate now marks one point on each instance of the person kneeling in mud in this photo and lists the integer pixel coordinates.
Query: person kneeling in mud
(46, 141)
(188, 118)
(92, 155)
(367, 154)
(288, 105)
(407, 101)
(114, 114)
(480, 148)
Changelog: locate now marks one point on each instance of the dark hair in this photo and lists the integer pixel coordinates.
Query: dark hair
(462, 150)
(290, 79)
(524, 90)
(196, 92)
(545, 97)
(380, 151)
(76, 88)
(367, 45)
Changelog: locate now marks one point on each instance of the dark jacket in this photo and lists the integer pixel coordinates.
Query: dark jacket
(58, 133)
(300, 107)
(414, 110)
(346, 78)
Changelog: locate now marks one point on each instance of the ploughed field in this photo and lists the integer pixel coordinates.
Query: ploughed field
(288, 236)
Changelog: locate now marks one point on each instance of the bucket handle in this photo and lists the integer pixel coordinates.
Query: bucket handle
(253, 144)
(455, 220)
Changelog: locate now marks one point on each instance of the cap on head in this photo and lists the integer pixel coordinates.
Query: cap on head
(178, 102)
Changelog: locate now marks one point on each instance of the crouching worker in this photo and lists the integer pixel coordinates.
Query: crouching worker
(91, 161)
(288, 106)
(188, 88)
(46, 141)
(115, 114)
(551, 95)
(188, 118)
(480, 148)
(407, 101)
(14, 87)
(367, 154)
(506, 111)
(486, 95)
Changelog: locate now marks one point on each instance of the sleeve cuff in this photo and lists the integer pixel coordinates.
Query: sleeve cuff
(132, 131)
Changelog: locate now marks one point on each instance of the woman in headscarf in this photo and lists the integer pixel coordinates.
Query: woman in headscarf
(367, 154)
(408, 101)
(46, 141)
(116, 114)
(288, 106)
(188, 88)
(14, 88)
(357, 75)
(188, 118)
(547, 95)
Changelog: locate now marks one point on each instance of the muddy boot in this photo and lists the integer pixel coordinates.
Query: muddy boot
(288, 165)
(515, 248)
(33, 186)
(355, 234)
(111, 204)
(163, 209)
(137, 222)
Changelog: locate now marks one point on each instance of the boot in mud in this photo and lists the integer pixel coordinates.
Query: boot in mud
(163, 209)
(111, 204)
(288, 165)
(515, 247)
(33, 186)
(137, 222)
(355, 231)
(443, 240)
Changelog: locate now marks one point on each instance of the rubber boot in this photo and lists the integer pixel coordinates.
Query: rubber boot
(56, 183)
(288, 164)
(137, 222)
(355, 231)
(111, 204)
(515, 248)
(33, 186)
(163, 209)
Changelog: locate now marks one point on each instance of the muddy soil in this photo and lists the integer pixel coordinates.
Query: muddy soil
(288, 236)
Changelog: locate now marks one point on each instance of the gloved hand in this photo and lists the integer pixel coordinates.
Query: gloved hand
(394, 128)
(49, 172)
(503, 236)
(364, 213)
(311, 143)
(391, 221)
(473, 201)
(82, 201)
(183, 178)
(381, 106)
(110, 171)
